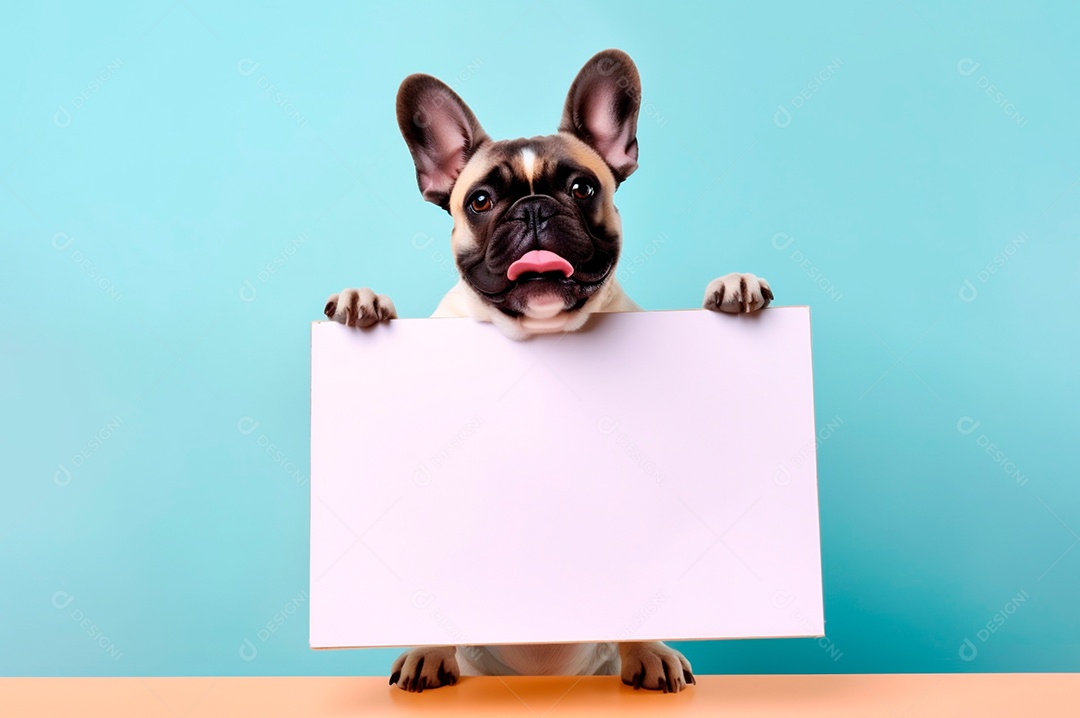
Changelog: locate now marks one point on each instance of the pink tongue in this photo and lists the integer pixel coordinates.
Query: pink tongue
(539, 260)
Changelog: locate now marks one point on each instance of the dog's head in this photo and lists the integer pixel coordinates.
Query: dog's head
(536, 232)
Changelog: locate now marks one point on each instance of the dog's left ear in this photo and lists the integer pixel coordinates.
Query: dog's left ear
(602, 109)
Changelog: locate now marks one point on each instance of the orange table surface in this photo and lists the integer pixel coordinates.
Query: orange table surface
(835, 696)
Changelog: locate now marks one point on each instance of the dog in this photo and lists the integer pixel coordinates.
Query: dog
(536, 238)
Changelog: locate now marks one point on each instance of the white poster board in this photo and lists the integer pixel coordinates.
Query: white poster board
(650, 477)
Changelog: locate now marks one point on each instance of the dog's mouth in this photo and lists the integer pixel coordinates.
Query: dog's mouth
(538, 263)
(542, 282)
(523, 272)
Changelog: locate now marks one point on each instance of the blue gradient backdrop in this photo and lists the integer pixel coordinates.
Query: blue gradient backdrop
(182, 185)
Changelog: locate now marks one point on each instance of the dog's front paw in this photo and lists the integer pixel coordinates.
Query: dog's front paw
(737, 293)
(428, 667)
(655, 667)
(359, 307)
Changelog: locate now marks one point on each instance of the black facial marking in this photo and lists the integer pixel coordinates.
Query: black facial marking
(541, 213)
(501, 184)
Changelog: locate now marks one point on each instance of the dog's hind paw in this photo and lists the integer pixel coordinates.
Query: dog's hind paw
(359, 307)
(427, 667)
(737, 293)
(655, 667)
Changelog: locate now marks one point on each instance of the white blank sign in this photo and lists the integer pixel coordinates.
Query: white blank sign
(649, 477)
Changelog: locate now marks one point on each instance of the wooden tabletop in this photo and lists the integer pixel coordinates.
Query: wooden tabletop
(831, 696)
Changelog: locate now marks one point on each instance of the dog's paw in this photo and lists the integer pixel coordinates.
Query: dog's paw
(428, 667)
(359, 307)
(655, 667)
(737, 293)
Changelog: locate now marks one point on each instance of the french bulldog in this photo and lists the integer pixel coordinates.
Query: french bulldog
(536, 238)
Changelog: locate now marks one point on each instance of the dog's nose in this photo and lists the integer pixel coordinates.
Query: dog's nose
(534, 210)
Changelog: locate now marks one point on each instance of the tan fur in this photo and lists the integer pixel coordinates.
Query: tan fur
(462, 301)
(460, 237)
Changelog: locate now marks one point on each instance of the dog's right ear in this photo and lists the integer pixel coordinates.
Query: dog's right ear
(441, 131)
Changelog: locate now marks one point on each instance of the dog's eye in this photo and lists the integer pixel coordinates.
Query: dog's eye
(582, 190)
(481, 202)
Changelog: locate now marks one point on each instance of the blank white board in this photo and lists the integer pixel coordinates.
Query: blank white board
(652, 476)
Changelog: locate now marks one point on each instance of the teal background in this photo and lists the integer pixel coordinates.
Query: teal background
(140, 224)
